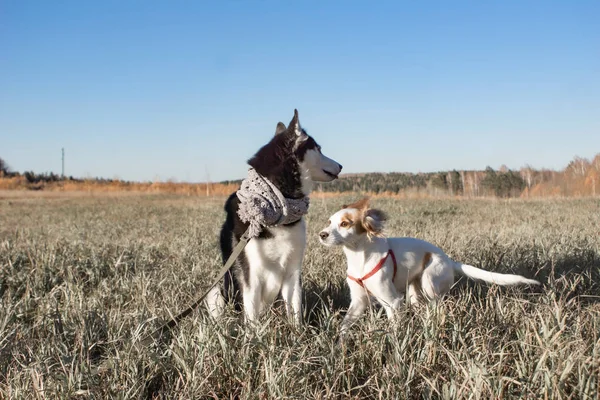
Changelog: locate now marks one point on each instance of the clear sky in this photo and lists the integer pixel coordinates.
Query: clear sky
(145, 90)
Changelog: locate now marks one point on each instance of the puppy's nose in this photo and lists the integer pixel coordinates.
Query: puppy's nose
(340, 165)
(324, 235)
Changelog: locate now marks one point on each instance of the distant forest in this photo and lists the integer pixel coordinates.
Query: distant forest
(581, 177)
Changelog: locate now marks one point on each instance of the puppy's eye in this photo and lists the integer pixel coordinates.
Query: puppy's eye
(345, 224)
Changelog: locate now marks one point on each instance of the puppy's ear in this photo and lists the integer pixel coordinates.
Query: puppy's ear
(280, 128)
(374, 221)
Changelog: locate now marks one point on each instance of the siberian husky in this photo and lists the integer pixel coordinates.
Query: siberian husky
(270, 264)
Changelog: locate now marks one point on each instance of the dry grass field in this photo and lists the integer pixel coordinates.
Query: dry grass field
(84, 278)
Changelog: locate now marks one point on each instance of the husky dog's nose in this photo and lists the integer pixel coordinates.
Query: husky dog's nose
(340, 165)
(324, 235)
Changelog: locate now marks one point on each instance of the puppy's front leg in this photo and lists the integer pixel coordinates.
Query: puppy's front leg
(357, 308)
(386, 293)
(358, 305)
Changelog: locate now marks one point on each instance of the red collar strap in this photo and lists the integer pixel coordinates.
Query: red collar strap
(376, 269)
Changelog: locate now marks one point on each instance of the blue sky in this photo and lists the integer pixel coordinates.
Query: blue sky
(145, 90)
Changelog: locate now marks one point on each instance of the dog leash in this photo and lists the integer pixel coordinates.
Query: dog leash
(149, 339)
(175, 320)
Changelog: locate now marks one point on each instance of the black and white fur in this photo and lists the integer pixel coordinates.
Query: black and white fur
(271, 263)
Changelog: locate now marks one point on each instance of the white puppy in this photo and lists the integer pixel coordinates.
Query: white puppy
(384, 268)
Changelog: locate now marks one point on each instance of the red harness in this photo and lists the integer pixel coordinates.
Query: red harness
(376, 269)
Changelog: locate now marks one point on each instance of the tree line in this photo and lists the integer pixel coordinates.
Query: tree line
(501, 183)
(581, 177)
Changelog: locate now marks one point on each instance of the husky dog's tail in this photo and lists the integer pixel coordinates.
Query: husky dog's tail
(492, 277)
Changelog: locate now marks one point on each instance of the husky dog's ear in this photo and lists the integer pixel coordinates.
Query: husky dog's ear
(373, 221)
(280, 128)
(295, 124)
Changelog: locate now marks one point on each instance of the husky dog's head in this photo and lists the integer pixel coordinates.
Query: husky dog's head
(353, 224)
(293, 160)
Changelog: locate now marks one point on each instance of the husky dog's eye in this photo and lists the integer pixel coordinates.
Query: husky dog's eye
(345, 224)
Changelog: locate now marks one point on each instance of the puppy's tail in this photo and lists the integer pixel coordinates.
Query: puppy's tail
(493, 277)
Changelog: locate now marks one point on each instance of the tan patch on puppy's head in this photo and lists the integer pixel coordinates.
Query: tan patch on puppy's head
(365, 219)
(360, 205)
(352, 218)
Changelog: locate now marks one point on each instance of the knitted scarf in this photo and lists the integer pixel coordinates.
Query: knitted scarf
(262, 204)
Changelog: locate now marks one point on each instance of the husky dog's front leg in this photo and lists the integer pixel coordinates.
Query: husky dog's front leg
(252, 298)
(291, 291)
(291, 286)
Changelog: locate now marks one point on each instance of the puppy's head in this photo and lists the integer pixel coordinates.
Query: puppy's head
(353, 223)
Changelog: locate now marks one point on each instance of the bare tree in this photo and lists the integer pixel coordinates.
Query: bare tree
(527, 175)
(579, 166)
(449, 180)
(596, 162)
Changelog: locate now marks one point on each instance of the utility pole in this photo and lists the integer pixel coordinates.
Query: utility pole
(63, 163)
(207, 181)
